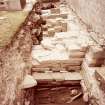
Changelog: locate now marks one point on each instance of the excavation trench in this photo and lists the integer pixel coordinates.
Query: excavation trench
(50, 47)
(55, 93)
(56, 65)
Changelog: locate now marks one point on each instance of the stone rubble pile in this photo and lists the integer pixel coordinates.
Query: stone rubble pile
(56, 20)
(67, 49)
(52, 60)
(63, 52)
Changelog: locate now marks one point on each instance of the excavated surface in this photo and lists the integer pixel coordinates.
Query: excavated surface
(55, 81)
(57, 96)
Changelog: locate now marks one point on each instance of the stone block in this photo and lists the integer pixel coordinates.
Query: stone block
(56, 69)
(77, 54)
(54, 16)
(39, 69)
(52, 22)
(57, 76)
(97, 51)
(45, 27)
(51, 32)
(93, 62)
(100, 76)
(64, 26)
(72, 76)
(58, 28)
(45, 33)
(55, 11)
(64, 15)
(73, 68)
(72, 62)
(42, 76)
(76, 48)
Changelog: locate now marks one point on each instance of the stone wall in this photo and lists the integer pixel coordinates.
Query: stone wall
(92, 12)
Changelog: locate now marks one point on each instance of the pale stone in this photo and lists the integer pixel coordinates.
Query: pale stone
(55, 11)
(51, 32)
(58, 28)
(28, 82)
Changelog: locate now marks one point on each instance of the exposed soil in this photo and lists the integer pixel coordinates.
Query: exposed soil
(58, 96)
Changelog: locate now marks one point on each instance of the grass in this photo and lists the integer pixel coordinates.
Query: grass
(9, 24)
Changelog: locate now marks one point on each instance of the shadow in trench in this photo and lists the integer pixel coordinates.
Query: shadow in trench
(58, 96)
